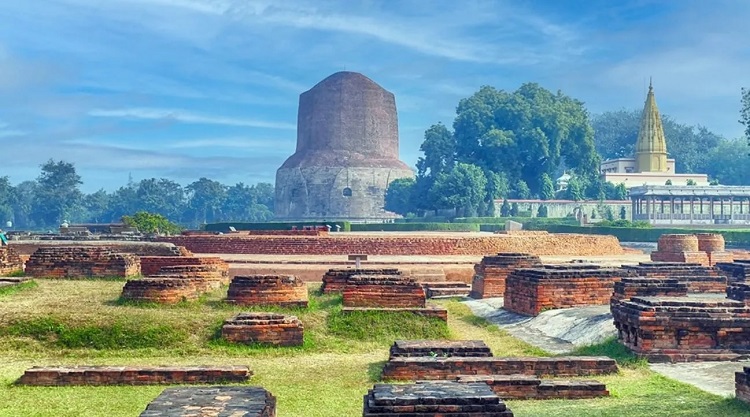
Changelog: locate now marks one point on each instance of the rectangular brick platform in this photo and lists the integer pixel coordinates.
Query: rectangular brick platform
(698, 278)
(130, 375)
(530, 291)
(81, 262)
(10, 261)
(491, 273)
(444, 348)
(429, 368)
(735, 271)
(151, 265)
(212, 401)
(742, 385)
(391, 291)
(526, 387)
(267, 328)
(434, 399)
(268, 290)
(681, 329)
(427, 311)
(739, 291)
(628, 288)
(335, 279)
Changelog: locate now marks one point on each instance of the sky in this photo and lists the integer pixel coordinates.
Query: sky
(184, 89)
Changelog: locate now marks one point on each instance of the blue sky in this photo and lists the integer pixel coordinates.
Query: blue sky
(189, 88)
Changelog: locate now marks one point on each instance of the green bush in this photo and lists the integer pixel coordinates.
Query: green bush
(415, 227)
(224, 227)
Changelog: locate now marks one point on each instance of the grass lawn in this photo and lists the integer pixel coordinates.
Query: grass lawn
(82, 322)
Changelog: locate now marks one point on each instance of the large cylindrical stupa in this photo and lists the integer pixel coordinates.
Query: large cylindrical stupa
(347, 152)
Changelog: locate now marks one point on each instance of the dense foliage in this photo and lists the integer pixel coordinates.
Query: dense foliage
(745, 112)
(55, 196)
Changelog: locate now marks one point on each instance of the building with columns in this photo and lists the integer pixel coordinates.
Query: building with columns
(686, 205)
(650, 165)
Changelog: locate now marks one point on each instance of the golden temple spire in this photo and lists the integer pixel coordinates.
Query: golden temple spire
(651, 148)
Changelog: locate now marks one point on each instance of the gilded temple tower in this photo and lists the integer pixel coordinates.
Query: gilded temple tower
(651, 148)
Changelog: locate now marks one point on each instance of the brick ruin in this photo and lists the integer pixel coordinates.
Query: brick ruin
(679, 329)
(212, 401)
(628, 288)
(81, 262)
(152, 265)
(268, 290)
(450, 368)
(699, 278)
(432, 399)
(389, 291)
(335, 279)
(10, 261)
(702, 248)
(443, 348)
(530, 291)
(207, 276)
(737, 271)
(742, 385)
(130, 375)
(404, 244)
(739, 291)
(265, 328)
(525, 387)
(490, 274)
(163, 290)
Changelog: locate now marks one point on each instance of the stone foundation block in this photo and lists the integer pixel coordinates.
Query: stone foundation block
(213, 401)
(442, 348)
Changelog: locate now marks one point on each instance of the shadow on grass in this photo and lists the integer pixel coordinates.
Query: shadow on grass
(615, 350)
(375, 370)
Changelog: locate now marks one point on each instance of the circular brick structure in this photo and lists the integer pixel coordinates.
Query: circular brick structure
(677, 243)
(268, 290)
(710, 242)
(347, 152)
(214, 276)
(266, 328)
(162, 290)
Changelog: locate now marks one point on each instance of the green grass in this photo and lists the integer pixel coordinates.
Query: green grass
(615, 350)
(16, 273)
(67, 322)
(12, 289)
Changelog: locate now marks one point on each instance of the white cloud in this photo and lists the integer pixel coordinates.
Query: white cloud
(187, 117)
(238, 143)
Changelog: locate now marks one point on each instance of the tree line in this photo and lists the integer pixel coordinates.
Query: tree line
(514, 144)
(55, 196)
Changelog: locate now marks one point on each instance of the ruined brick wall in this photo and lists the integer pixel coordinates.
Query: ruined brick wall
(163, 290)
(667, 329)
(629, 287)
(442, 348)
(268, 290)
(491, 273)
(525, 387)
(405, 244)
(437, 368)
(151, 265)
(130, 375)
(389, 291)
(81, 261)
(265, 328)
(699, 279)
(335, 279)
(28, 247)
(532, 290)
(9, 261)
(347, 152)
(742, 384)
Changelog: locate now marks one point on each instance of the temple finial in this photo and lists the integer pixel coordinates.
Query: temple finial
(650, 85)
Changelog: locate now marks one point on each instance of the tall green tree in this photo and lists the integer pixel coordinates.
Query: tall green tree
(6, 201)
(745, 112)
(205, 200)
(399, 197)
(161, 196)
(58, 193)
(547, 191)
(462, 188)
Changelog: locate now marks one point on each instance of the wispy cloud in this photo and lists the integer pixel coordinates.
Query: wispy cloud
(187, 117)
(238, 143)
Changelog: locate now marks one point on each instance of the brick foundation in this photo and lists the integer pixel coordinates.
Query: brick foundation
(443, 348)
(335, 279)
(139, 248)
(428, 311)
(530, 291)
(81, 262)
(151, 265)
(213, 401)
(10, 261)
(163, 290)
(130, 375)
(490, 274)
(413, 369)
(742, 384)
(679, 329)
(679, 248)
(268, 290)
(402, 244)
(697, 277)
(434, 399)
(737, 271)
(739, 291)
(390, 291)
(208, 276)
(266, 328)
(628, 288)
(525, 387)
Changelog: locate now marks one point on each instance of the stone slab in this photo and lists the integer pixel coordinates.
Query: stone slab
(212, 401)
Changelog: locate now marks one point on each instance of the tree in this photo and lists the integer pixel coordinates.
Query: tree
(6, 200)
(24, 196)
(505, 208)
(151, 223)
(514, 209)
(745, 112)
(669, 182)
(399, 196)
(547, 191)
(620, 192)
(542, 211)
(462, 188)
(729, 163)
(575, 189)
(162, 196)
(522, 190)
(690, 181)
(206, 198)
(623, 213)
(439, 149)
(58, 193)
(242, 204)
(96, 206)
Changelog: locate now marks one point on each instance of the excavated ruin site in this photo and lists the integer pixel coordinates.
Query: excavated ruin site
(269, 317)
